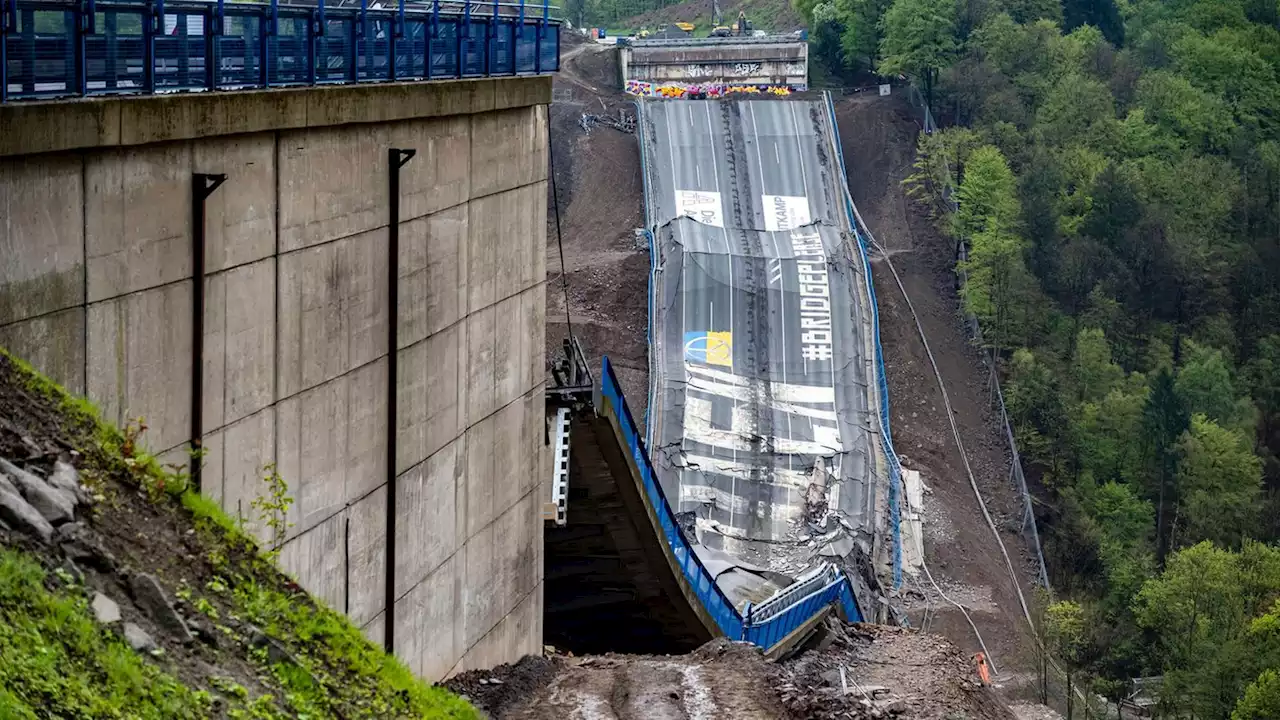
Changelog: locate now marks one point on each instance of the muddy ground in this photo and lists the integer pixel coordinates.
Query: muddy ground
(888, 673)
(878, 137)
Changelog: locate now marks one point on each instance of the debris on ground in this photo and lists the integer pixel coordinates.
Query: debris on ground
(623, 123)
(496, 691)
(878, 671)
(865, 672)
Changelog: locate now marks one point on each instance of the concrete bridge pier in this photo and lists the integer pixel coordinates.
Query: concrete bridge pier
(100, 283)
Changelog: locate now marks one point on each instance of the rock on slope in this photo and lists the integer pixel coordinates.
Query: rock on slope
(124, 595)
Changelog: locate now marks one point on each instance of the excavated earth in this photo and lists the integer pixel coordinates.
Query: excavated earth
(597, 181)
(887, 673)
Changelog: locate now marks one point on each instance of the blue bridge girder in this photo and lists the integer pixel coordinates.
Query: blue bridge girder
(67, 48)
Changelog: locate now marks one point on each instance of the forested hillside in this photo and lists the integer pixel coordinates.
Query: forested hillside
(1113, 170)
(632, 15)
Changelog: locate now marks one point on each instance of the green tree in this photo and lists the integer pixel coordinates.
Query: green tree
(1199, 118)
(1039, 416)
(1261, 699)
(1124, 527)
(1205, 386)
(1065, 633)
(1077, 110)
(860, 39)
(1262, 373)
(918, 40)
(987, 220)
(1219, 485)
(1199, 612)
(1095, 374)
(988, 194)
(939, 157)
(1109, 434)
(1164, 419)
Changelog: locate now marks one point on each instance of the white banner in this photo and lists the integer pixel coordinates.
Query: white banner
(701, 205)
(784, 212)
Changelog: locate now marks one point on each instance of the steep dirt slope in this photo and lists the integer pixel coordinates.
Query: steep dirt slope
(597, 179)
(878, 135)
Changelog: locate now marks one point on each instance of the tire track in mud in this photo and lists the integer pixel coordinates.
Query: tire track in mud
(679, 688)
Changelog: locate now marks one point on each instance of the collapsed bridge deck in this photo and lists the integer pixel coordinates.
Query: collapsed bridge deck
(763, 416)
(754, 503)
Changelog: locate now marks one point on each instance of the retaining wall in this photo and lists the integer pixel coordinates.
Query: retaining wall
(97, 290)
(778, 60)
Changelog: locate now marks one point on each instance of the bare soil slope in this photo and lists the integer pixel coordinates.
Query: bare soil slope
(878, 135)
(600, 190)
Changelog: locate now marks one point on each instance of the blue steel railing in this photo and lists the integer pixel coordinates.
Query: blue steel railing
(703, 583)
(891, 456)
(59, 48)
(763, 625)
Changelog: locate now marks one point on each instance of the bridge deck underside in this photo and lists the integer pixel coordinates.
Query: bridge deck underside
(609, 586)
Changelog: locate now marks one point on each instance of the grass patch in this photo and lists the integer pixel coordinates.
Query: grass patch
(56, 661)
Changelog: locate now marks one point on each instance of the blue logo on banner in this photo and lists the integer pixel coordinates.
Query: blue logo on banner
(711, 347)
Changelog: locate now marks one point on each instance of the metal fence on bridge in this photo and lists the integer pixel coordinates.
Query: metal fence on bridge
(60, 48)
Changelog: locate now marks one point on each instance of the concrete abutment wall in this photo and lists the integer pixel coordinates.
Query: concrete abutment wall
(97, 290)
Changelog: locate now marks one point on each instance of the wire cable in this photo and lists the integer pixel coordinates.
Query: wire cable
(555, 200)
(955, 433)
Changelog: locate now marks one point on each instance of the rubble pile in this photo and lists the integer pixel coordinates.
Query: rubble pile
(877, 671)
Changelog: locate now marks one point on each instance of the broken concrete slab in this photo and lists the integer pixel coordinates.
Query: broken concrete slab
(152, 600)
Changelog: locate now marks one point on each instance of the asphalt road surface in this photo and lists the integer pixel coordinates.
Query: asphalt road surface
(759, 423)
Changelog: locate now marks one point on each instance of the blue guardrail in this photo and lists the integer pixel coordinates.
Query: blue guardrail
(764, 625)
(895, 466)
(60, 48)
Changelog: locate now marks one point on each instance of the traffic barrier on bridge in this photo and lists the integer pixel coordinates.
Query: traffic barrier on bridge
(55, 49)
(764, 625)
(891, 457)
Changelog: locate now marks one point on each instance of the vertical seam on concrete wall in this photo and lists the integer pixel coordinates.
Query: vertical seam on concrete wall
(514, 607)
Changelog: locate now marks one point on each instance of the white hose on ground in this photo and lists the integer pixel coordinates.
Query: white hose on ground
(955, 433)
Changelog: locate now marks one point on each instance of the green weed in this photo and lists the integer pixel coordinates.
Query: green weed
(56, 661)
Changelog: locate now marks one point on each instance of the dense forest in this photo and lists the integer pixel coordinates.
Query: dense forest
(1113, 169)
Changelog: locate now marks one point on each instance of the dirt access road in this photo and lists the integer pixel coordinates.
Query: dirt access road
(887, 673)
(878, 136)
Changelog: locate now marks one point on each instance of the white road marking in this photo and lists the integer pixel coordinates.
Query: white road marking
(784, 212)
